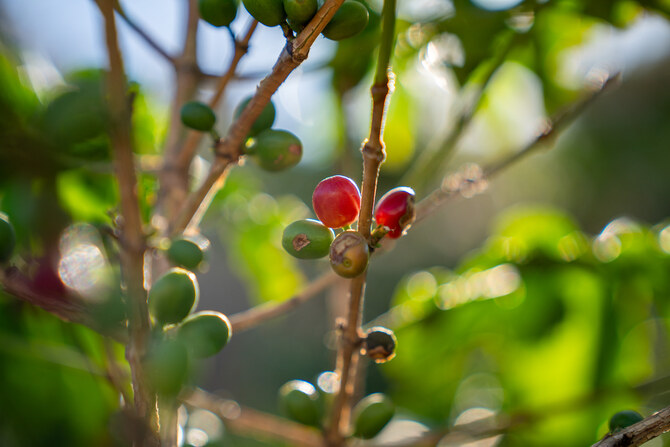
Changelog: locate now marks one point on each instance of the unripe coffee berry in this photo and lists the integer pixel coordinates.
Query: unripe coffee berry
(372, 414)
(7, 238)
(307, 239)
(299, 401)
(197, 116)
(275, 150)
(185, 253)
(623, 419)
(395, 210)
(349, 20)
(349, 254)
(218, 12)
(379, 344)
(300, 11)
(166, 366)
(205, 333)
(173, 296)
(268, 12)
(336, 201)
(264, 120)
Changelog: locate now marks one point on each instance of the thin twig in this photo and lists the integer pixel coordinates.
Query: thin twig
(132, 236)
(373, 156)
(454, 186)
(173, 178)
(228, 151)
(256, 315)
(142, 33)
(637, 434)
(193, 139)
(433, 158)
(252, 423)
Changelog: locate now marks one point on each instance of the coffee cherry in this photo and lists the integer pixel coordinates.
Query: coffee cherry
(300, 11)
(275, 150)
(264, 120)
(205, 333)
(185, 253)
(218, 12)
(349, 20)
(198, 116)
(336, 201)
(307, 239)
(379, 344)
(166, 366)
(299, 401)
(268, 12)
(395, 210)
(7, 238)
(371, 415)
(623, 419)
(173, 296)
(349, 254)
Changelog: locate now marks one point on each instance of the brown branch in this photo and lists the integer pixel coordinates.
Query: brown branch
(475, 179)
(228, 151)
(255, 424)
(637, 434)
(256, 315)
(173, 178)
(131, 234)
(142, 33)
(373, 157)
(193, 139)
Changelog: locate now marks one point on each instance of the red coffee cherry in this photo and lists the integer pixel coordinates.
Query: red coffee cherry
(395, 210)
(336, 201)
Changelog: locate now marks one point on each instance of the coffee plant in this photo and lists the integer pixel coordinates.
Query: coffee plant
(378, 314)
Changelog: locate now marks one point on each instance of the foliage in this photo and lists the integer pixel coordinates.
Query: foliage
(542, 322)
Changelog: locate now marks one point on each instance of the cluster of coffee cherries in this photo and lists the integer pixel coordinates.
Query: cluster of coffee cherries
(181, 335)
(350, 19)
(272, 149)
(337, 201)
(300, 401)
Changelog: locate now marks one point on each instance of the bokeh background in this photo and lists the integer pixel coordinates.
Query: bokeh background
(544, 299)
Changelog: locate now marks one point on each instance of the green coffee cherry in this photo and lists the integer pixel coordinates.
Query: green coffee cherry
(264, 120)
(268, 12)
(349, 20)
(349, 254)
(197, 116)
(371, 415)
(173, 296)
(299, 401)
(300, 11)
(185, 253)
(275, 150)
(7, 238)
(166, 366)
(205, 333)
(218, 12)
(623, 419)
(307, 239)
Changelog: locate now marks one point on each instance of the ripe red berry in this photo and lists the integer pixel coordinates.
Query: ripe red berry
(336, 201)
(395, 210)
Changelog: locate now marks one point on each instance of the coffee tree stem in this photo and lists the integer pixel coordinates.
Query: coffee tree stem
(132, 242)
(373, 156)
